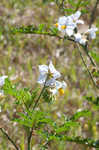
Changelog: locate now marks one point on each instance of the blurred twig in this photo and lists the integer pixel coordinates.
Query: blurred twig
(91, 59)
(86, 66)
(62, 4)
(92, 16)
(9, 138)
(78, 4)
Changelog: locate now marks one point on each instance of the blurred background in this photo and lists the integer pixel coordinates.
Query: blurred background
(20, 55)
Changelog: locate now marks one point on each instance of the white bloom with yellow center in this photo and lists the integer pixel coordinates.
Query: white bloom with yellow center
(48, 74)
(92, 32)
(2, 80)
(65, 25)
(58, 88)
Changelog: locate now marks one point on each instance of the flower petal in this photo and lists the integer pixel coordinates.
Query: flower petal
(92, 35)
(77, 37)
(2, 80)
(62, 20)
(43, 69)
(69, 31)
(51, 82)
(77, 15)
(42, 78)
(55, 73)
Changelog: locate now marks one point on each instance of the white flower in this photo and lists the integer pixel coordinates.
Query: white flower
(75, 18)
(65, 25)
(80, 38)
(48, 73)
(2, 80)
(92, 33)
(69, 23)
(59, 87)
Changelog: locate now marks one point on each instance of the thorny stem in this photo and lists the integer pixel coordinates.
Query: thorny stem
(9, 138)
(92, 16)
(86, 66)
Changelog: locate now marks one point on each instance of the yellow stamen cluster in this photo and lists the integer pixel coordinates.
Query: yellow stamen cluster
(61, 91)
(63, 27)
(56, 24)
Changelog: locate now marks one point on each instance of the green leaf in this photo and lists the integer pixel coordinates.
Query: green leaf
(72, 2)
(69, 10)
(95, 56)
(67, 126)
(77, 115)
(93, 100)
(26, 123)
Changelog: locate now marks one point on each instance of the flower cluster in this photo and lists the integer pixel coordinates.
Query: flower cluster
(48, 77)
(68, 26)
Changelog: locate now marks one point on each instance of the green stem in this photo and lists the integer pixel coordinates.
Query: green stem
(86, 66)
(36, 103)
(92, 61)
(9, 138)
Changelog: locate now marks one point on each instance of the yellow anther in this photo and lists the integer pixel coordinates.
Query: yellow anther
(63, 27)
(61, 91)
(56, 24)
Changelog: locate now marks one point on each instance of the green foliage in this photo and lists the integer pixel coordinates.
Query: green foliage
(77, 115)
(75, 5)
(61, 137)
(66, 126)
(95, 56)
(23, 96)
(93, 100)
(34, 118)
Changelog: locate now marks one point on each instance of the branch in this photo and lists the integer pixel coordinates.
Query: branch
(9, 138)
(91, 59)
(86, 67)
(92, 16)
(85, 141)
